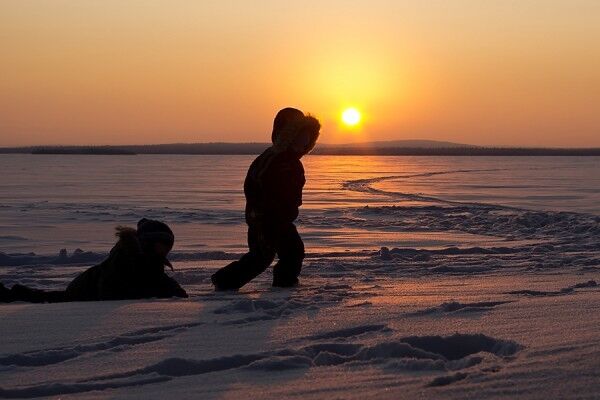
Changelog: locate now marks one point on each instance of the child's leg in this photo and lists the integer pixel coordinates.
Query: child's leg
(252, 264)
(290, 249)
(24, 293)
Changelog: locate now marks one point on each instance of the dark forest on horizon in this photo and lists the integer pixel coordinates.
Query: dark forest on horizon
(326, 149)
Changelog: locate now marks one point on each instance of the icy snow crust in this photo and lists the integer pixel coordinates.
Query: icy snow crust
(476, 300)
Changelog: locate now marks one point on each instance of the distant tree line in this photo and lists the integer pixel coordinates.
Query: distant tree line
(109, 150)
(256, 148)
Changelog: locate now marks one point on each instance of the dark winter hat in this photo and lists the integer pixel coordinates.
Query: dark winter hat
(149, 230)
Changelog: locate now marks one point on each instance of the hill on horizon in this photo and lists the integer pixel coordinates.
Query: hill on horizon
(404, 143)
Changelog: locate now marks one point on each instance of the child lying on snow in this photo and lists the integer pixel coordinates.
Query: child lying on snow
(134, 269)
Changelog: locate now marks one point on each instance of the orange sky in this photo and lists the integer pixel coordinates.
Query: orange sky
(523, 73)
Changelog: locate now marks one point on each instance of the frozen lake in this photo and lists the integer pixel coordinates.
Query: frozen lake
(49, 202)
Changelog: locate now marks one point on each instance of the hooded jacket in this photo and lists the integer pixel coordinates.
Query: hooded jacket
(127, 273)
(273, 185)
(273, 188)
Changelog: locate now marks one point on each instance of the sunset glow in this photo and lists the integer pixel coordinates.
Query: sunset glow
(115, 72)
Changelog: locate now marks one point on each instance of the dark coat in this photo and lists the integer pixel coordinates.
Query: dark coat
(127, 273)
(273, 188)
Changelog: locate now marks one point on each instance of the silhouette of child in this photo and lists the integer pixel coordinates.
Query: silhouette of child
(134, 269)
(273, 190)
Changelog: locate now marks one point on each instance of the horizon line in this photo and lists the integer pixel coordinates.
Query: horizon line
(373, 144)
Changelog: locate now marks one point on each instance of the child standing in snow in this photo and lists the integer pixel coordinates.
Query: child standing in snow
(273, 190)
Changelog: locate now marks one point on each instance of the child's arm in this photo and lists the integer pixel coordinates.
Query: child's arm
(287, 191)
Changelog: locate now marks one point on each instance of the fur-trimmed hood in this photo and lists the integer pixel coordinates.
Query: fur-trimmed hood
(290, 138)
(128, 238)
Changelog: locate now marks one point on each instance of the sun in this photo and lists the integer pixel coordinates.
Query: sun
(351, 116)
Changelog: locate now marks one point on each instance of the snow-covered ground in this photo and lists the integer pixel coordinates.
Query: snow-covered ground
(355, 331)
(426, 278)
